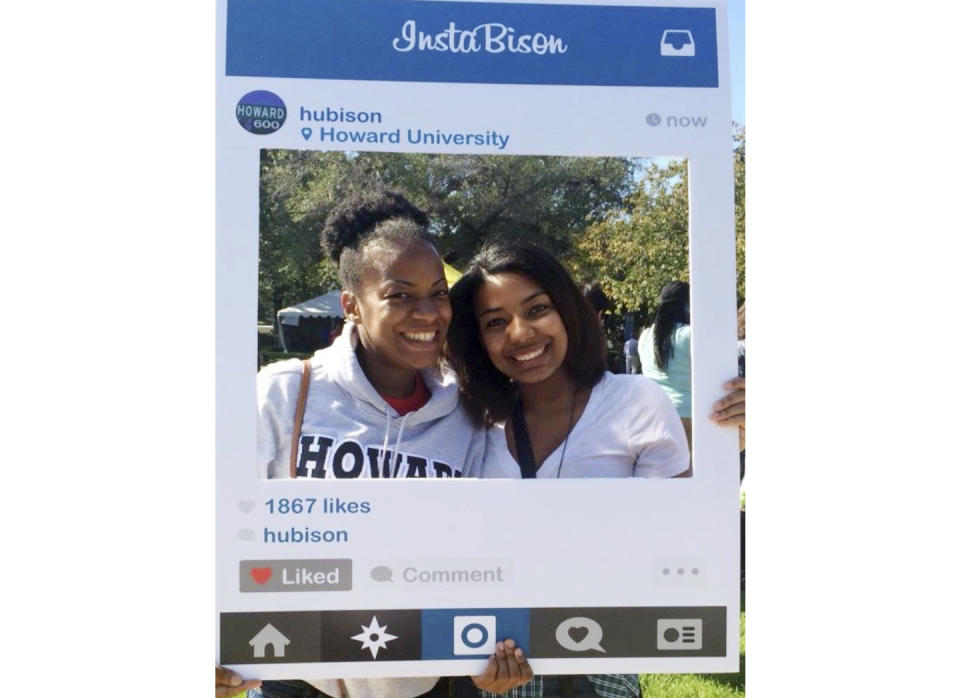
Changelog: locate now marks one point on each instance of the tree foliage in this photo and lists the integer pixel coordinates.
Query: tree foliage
(635, 250)
(549, 200)
(740, 206)
(621, 222)
(468, 197)
(632, 253)
(297, 188)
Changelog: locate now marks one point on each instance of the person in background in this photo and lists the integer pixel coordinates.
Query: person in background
(631, 355)
(665, 349)
(336, 329)
(597, 299)
(600, 304)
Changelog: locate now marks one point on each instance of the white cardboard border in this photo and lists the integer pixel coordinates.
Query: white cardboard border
(686, 521)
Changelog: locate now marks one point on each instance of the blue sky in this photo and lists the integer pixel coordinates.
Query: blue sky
(735, 13)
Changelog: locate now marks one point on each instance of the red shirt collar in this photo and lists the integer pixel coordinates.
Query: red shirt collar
(414, 401)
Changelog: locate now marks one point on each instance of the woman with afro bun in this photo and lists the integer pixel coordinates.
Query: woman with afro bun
(375, 404)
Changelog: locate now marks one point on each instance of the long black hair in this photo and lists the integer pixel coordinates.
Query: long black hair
(487, 395)
(674, 308)
(376, 215)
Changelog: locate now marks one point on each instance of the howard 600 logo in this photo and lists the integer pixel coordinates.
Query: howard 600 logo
(261, 112)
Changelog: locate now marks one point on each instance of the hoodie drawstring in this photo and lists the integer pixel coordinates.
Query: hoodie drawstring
(386, 434)
(396, 447)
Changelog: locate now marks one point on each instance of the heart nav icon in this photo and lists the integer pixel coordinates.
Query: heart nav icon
(261, 574)
(580, 634)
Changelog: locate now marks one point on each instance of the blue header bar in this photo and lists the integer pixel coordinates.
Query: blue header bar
(496, 43)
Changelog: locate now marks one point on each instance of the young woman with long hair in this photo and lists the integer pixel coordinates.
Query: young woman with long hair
(665, 349)
(529, 356)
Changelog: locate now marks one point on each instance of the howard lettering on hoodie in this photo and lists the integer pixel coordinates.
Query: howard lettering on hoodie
(322, 456)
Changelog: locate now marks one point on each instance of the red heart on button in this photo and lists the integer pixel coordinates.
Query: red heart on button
(261, 574)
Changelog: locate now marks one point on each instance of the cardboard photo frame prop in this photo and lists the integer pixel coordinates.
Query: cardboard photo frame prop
(370, 578)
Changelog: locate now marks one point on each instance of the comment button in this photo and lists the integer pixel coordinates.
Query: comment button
(442, 572)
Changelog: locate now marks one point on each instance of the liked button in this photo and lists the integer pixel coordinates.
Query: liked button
(296, 575)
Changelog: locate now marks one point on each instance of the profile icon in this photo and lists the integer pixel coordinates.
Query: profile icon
(261, 112)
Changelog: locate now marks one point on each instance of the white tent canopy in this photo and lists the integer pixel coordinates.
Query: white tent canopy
(327, 305)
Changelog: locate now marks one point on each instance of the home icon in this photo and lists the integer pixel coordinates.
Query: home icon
(269, 635)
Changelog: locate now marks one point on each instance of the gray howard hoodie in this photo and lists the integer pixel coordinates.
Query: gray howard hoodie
(348, 426)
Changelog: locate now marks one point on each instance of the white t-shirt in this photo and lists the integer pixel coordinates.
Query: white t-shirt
(629, 428)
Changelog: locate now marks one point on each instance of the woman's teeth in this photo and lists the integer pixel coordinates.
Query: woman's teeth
(420, 336)
(532, 355)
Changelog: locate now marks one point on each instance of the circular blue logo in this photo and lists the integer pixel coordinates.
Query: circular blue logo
(261, 112)
(471, 631)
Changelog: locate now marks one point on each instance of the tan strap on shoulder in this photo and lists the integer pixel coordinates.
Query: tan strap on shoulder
(298, 416)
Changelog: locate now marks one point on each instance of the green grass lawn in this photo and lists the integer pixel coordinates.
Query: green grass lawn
(698, 685)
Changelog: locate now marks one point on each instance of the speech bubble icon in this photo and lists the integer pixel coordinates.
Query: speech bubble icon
(382, 573)
(580, 634)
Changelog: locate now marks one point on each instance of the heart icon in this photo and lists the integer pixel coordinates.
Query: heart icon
(578, 633)
(261, 574)
(247, 505)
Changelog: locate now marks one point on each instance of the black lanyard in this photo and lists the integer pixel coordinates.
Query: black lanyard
(521, 441)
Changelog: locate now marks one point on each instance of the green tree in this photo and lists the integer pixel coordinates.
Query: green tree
(468, 198)
(633, 252)
(550, 200)
(740, 206)
(297, 191)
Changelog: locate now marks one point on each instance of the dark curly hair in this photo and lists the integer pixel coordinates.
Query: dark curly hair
(674, 309)
(487, 395)
(374, 216)
(595, 296)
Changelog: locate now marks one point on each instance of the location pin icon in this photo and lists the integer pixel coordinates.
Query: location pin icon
(307, 132)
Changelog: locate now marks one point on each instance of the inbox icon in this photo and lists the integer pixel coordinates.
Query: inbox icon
(677, 42)
(473, 635)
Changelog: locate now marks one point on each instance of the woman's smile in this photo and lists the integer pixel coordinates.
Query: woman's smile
(423, 341)
(422, 337)
(523, 358)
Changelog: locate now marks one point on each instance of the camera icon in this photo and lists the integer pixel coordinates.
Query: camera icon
(473, 635)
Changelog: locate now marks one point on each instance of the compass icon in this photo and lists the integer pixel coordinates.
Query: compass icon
(374, 637)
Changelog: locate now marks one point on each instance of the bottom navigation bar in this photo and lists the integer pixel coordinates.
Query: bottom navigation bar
(405, 634)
